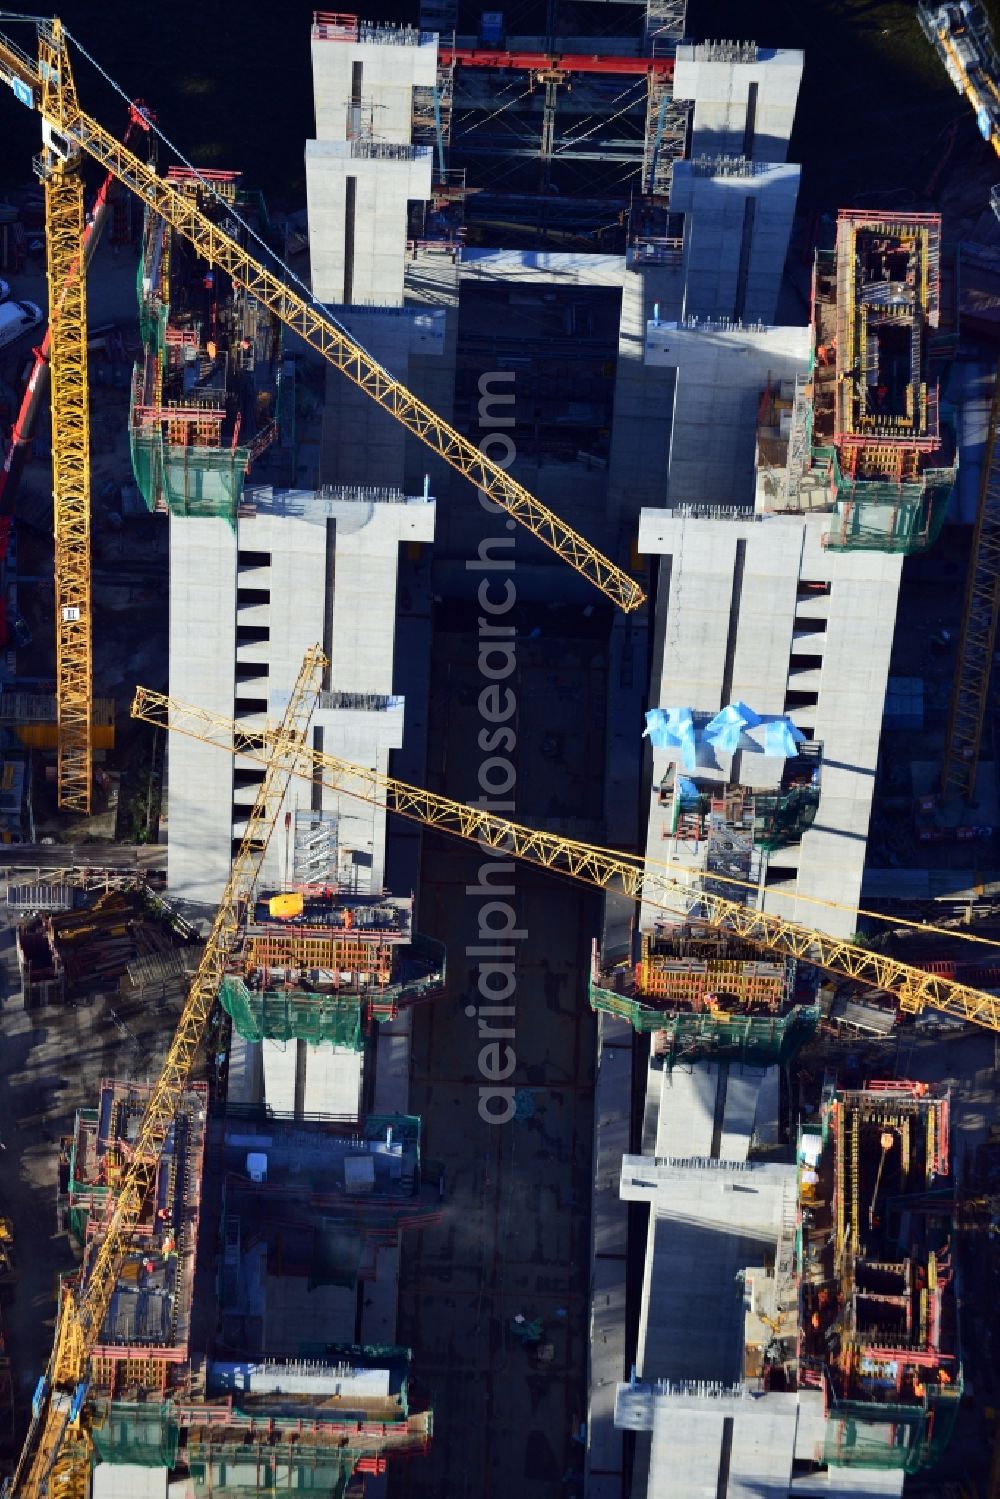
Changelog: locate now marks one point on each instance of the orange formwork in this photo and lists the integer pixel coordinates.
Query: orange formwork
(696, 982)
(311, 950)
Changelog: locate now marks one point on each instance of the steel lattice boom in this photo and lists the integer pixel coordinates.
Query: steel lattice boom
(78, 132)
(54, 1460)
(913, 988)
(64, 230)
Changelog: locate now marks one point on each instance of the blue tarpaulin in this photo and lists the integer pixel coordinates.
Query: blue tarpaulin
(735, 727)
(672, 728)
(781, 737)
(728, 726)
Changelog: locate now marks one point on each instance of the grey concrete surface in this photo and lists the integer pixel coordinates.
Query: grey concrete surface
(515, 1228)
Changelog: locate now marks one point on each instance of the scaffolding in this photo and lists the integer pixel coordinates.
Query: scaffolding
(144, 1340)
(297, 971)
(686, 1038)
(321, 952)
(666, 134)
(878, 1315)
(146, 1435)
(874, 448)
(708, 1028)
(741, 820)
(890, 517)
(701, 983)
(220, 1469)
(891, 1435)
(206, 394)
(665, 21)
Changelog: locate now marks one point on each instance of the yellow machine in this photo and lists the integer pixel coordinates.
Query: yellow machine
(285, 907)
(658, 883)
(55, 1460)
(46, 84)
(56, 1455)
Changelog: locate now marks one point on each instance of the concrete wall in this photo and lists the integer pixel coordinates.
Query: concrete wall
(307, 544)
(279, 1063)
(848, 723)
(333, 1081)
(361, 443)
(346, 137)
(721, 373)
(722, 91)
(637, 467)
(202, 650)
(377, 248)
(389, 71)
(738, 220)
(708, 629)
(297, 529)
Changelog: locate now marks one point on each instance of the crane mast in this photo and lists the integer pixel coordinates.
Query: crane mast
(55, 1458)
(69, 131)
(64, 235)
(912, 988)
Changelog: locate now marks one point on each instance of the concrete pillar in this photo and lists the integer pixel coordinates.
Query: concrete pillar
(738, 220)
(357, 195)
(721, 372)
(731, 613)
(744, 97)
(363, 84)
(202, 671)
(362, 168)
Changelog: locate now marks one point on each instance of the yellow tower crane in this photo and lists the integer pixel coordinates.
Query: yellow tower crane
(55, 1460)
(660, 884)
(47, 85)
(64, 227)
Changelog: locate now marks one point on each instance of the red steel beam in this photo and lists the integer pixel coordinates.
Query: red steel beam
(560, 62)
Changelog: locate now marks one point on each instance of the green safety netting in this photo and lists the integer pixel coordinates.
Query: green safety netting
(879, 515)
(146, 1435)
(191, 481)
(782, 817)
(758, 1040)
(267, 1015)
(197, 481)
(78, 1222)
(779, 817)
(152, 323)
(891, 1436)
(228, 1472)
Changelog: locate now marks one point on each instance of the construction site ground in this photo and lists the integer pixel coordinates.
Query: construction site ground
(514, 1239)
(51, 1063)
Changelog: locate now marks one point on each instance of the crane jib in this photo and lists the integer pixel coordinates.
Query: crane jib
(912, 988)
(67, 127)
